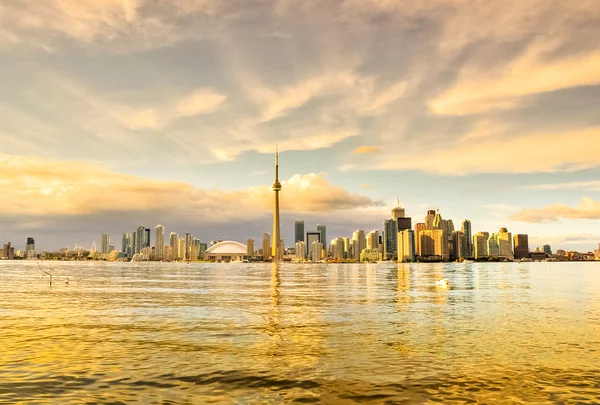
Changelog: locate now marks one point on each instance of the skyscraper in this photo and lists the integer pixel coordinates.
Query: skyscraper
(337, 248)
(547, 249)
(105, 242)
(434, 242)
(159, 242)
(276, 228)
(521, 246)
(147, 237)
(390, 236)
(174, 243)
(322, 229)
(139, 239)
(419, 228)
(250, 247)
(299, 231)
(310, 238)
(301, 250)
(188, 246)
(429, 219)
(480, 247)
(359, 237)
(504, 239)
(266, 246)
(468, 239)
(458, 245)
(406, 245)
(373, 240)
(30, 245)
(398, 212)
(316, 251)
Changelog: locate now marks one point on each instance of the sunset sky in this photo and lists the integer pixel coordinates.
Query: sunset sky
(119, 113)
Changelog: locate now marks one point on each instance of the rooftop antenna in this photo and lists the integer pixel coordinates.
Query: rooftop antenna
(398, 203)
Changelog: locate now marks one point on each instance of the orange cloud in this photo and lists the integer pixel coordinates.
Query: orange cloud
(38, 187)
(588, 208)
(366, 149)
(480, 92)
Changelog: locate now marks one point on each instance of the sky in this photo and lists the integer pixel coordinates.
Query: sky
(120, 113)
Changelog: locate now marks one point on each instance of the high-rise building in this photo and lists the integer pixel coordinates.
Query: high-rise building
(194, 252)
(458, 245)
(359, 237)
(266, 247)
(480, 247)
(105, 241)
(147, 237)
(504, 239)
(373, 240)
(406, 245)
(139, 239)
(398, 212)
(390, 236)
(30, 245)
(299, 231)
(492, 246)
(468, 239)
(354, 251)
(322, 229)
(188, 246)
(310, 238)
(419, 228)
(159, 242)
(434, 243)
(250, 247)
(547, 249)
(181, 248)
(429, 218)
(316, 251)
(203, 248)
(276, 254)
(174, 243)
(337, 248)
(521, 243)
(301, 250)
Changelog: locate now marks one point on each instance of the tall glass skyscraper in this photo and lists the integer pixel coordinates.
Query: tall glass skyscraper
(322, 229)
(299, 231)
(466, 230)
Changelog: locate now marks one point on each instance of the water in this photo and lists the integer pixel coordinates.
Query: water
(251, 334)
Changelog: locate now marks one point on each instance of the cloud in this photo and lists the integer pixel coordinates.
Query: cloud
(38, 187)
(524, 154)
(475, 93)
(141, 119)
(593, 185)
(366, 149)
(201, 101)
(588, 208)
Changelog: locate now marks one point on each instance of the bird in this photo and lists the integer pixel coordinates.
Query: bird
(67, 282)
(443, 282)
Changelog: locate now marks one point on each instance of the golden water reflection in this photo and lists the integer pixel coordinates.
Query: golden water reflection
(253, 333)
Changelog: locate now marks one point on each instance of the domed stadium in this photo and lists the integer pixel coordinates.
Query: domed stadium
(226, 251)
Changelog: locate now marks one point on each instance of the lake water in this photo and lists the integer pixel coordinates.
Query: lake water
(161, 333)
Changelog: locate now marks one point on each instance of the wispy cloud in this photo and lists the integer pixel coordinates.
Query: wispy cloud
(588, 208)
(593, 185)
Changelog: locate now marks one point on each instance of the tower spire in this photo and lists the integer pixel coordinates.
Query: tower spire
(276, 252)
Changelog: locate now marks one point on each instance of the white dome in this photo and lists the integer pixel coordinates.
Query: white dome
(227, 247)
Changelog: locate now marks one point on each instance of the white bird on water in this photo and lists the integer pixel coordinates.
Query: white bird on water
(442, 282)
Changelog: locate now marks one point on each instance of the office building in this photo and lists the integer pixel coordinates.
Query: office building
(312, 237)
(139, 239)
(521, 243)
(547, 249)
(406, 246)
(316, 251)
(370, 255)
(147, 237)
(429, 219)
(434, 244)
(504, 239)
(373, 240)
(188, 246)
(159, 242)
(30, 245)
(359, 237)
(300, 250)
(390, 236)
(467, 237)
(419, 228)
(480, 246)
(492, 246)
(337, 249)
(299, 231)
(250, 247)
(174, 243)
(266, 247)
(203, 248)
(181, 248)
(105, 241)
(322, 229)
(398, 212)
(458, 246)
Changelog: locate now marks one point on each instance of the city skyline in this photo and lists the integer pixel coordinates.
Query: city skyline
(170, 114)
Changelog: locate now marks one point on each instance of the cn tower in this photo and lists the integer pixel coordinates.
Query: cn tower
(276, 228)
